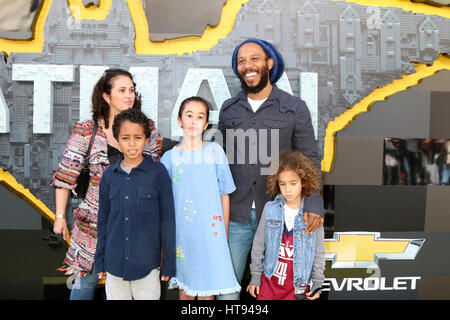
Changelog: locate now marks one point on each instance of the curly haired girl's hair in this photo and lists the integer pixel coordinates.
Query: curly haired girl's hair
(300, 164)
(100, 108)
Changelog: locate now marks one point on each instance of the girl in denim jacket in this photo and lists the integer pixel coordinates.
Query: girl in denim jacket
(285, 259)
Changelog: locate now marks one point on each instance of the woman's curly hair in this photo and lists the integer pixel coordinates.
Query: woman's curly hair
(100, 108)
(300, 164)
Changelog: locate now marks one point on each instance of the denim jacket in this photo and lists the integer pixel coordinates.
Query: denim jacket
(309, 251)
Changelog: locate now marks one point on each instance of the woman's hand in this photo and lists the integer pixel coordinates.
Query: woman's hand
(60, 227)
(60, 224)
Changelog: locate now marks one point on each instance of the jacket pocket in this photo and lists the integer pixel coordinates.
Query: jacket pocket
(232, 123)
(275, 124)
(147, 202)
(273, 226)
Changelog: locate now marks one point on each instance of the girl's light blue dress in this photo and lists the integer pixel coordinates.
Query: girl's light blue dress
(199, 178)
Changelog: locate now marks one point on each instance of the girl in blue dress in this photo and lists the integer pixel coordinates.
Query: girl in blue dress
(201, 183)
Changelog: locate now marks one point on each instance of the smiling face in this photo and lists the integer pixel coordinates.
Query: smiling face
(193, 119)
(253, 67)
(132, 140)
(290, 186)
(122, 94)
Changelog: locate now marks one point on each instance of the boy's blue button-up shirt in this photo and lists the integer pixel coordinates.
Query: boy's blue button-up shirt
(136, 219)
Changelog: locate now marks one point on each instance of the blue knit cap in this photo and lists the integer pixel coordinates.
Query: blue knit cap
(271, 51)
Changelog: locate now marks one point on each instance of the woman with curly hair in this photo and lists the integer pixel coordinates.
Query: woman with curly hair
(113, 93)
(285, 259)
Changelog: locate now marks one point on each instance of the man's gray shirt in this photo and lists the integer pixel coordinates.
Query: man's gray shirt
(281, 112)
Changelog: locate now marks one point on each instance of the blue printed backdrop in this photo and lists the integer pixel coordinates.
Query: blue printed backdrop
(336, 53)
(342, 51)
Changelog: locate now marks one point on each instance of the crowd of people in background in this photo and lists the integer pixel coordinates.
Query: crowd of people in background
(416, 161)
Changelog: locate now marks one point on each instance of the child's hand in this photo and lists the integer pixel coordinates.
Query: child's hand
(316, 296)
(165, 278)
(251, 289)
(101, 275)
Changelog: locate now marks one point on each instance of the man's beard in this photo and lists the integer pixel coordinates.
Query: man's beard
(261, 84)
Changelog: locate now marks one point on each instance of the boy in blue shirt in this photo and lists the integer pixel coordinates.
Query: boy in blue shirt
(136, 219)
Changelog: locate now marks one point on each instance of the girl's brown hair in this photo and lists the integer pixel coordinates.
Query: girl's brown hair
(196, 99)
(300, 164)
(100, 108)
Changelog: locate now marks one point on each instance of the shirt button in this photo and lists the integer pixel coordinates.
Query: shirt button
(126, 197)
(128, 178)
(253, 121)
(126, 218)
(126, 238)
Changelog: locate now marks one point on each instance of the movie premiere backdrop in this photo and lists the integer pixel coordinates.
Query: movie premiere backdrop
(375, 78)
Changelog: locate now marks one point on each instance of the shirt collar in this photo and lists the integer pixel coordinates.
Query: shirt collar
(274, 95)
(145, 165)
(280, 201)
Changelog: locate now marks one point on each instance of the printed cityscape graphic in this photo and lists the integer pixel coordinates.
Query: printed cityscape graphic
(353, 50)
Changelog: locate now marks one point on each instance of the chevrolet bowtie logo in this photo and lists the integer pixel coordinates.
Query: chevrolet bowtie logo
(364, 249)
